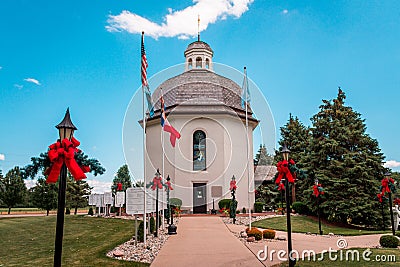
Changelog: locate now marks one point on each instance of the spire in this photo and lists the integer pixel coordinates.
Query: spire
(66, 122)
(198, 28)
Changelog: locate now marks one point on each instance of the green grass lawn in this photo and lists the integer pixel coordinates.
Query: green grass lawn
(377, 258)
(29, 241)
(303, 224)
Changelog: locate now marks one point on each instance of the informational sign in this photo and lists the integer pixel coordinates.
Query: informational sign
(135, 201)
(98, 200)
(91, 200)
(120, 199)
(108, 199)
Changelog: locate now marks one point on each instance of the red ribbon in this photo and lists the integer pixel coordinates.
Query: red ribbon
(281, 187)
(168, 184)
(64, 152)
(380, 197)
(317, 190)
(283, 169)
(156, 183)
(119, 186)
(232, 185)
(385, 185)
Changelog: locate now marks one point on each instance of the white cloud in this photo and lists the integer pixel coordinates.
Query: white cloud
(32, 80)
(30, 183)
(391, 164)
(179, 23)
(285, 11)
(1, 67)
(18, 86)
(2, 157)
(99, 186)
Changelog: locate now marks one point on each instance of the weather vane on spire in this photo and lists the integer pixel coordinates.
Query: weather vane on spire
(198, 28)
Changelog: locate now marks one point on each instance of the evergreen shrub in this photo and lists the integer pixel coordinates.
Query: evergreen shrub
(269, 234)
(389, 241)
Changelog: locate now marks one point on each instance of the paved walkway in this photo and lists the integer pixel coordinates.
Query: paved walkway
(204, 241)
(304, 243)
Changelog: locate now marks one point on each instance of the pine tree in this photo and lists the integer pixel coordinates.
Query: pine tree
(123, 176)
(76, 193)
(296, 136)
(12, 188)
(262, 157)
(347, 162)
(44, 195)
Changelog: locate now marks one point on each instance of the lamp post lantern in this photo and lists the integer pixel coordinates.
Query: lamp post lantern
(285, 153)
(66, 130)
(387, 177)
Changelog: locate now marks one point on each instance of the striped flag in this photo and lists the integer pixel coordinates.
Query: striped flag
(245, 90)
(167, 127)
(145, 84)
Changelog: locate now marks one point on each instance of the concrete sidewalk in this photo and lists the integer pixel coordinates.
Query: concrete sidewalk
(204, 241)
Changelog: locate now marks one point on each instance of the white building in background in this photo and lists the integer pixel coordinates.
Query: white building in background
(206, 109)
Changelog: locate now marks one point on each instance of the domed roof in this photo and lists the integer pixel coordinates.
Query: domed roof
(201, 91)
(198, 45)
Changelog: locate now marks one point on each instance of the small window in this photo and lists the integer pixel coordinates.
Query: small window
(198, 62)
(207, 63)
(190, 64)
(199, 151)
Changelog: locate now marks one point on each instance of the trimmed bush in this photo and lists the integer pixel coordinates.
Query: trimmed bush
(152, 224)
(177, 202)
(258, 207)
(237, 211)
(300, 208)
(389, 241)
(244, 210)
(140, 232)
(224, 203)
(269, 234)
(256, 233)
(90, 212)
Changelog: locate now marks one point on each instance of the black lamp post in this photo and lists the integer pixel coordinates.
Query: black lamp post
(281, 189)
(285, 153)
(171, 226)
(387, 176)
(233, 202)
(318, 211)
(66, 130)
(158, 174)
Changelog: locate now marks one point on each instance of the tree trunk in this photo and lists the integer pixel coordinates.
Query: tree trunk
(47, 214)
(76, 210)
(9, 210)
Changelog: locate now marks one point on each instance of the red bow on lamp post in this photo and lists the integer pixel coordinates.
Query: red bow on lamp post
(64, 152)
(119, 186)
(232, 185)
(281, 187)
(168, 186)
(318, 190)
(283, 169)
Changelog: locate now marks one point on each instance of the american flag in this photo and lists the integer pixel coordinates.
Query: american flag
(145, 84)
(144, 64)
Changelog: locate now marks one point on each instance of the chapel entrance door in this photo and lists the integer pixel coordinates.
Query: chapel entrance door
(199, 198)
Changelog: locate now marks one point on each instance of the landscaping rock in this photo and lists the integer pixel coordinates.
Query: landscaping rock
(118, 253)
(251, 239)
(331, 234)
(243, 234)
(281, 237)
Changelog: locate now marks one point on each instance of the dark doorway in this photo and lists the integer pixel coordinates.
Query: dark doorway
(199, 198)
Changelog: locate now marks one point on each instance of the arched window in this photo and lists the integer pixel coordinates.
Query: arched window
(190, 64)
(207, 63)
(199, 151)
(198, 62)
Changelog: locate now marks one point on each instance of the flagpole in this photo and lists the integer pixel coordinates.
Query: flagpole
(144, 155)
(162, 141)
(247, 146)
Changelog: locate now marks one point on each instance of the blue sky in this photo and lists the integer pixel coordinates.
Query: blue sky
(86, 56)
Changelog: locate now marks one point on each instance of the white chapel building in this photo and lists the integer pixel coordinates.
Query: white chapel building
(205, 108)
